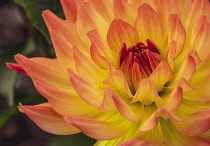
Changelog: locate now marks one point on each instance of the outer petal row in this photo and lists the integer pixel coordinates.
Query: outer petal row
(66, 101)
(101, 130)
(48, 120)
(45, 70)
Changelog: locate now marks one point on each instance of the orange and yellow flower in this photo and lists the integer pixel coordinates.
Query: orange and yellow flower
(127, 72)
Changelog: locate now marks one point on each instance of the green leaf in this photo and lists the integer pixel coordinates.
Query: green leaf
(7, 76)
(72, 140)
(7, 79)
(5, 116)
(34, 9)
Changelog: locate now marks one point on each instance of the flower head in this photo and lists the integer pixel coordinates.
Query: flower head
(127, 72)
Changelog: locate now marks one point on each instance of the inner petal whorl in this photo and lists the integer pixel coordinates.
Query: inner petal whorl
(138, 62)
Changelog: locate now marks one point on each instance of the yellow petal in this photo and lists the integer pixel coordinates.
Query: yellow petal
(92, 20)
(200, 39)
(99, 47)
(63, 51)
(121, 32)
(113, 102)
(146, 93)
(186, 87)
(101, 130)
(87, 69)
(126, 110)
(152, 121)
(176, 32)
(104, 8)
(117, 80)
(68, 29)
(125, 11)
(175, 99)
(86, 90)
(184, 8)
(171, 53)
(161, 75)
(138, 141)
(198, 8)
(165, 8)
(107, 103)
(48, 120)
(186, 70)
(203, 86)
(137, 3)
(199, 122)
(148, 25)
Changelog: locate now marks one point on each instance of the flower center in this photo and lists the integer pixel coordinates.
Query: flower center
(138, 62)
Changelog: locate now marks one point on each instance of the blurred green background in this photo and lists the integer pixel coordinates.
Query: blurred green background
(22, 30)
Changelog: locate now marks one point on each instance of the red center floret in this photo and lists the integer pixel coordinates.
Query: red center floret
(138, 61)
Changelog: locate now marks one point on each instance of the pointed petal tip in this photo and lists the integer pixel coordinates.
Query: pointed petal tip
(100, 130)
(20, 107)
(152, 121)
(15, 67)
(46, 12)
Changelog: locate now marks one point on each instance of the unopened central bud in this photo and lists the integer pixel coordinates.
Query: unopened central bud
(138, 62)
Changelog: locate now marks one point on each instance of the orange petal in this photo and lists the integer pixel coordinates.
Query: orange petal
(203, 86)
(165, 8)
(197, 141)
(66, 101)
(45, 70)
(186, 87)
(121, 32)
(199, 122)
(63, 50)
(126, 110)
(101, 130)
(16, 67)
(113, 102)
(68, 29)
(148, 25)
(137, 141)
(104, 8)
(198, 8)
(137, 3)
(171, 53)
(137, 74)
(196, 57)
(152, 121)
(48, 120)
(92, 20)
(108, 103)
(70, 10)
(186, 70)
(86, 90)
(117, 80)
(200, 39)
(109, 65)
(125, 11)
(161, 75)
(176, 32)
(99, 47)
(175, 99)
(184, 8)
(87, 68)
(146, 93)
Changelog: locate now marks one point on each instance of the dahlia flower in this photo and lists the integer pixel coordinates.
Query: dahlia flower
(127, 72)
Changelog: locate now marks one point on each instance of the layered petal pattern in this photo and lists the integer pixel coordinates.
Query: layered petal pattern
(126, 72)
